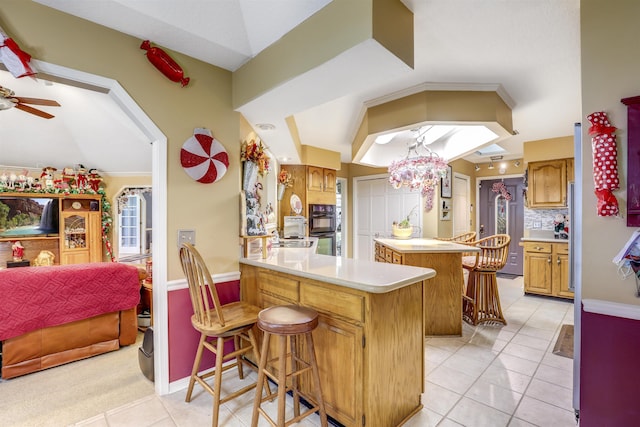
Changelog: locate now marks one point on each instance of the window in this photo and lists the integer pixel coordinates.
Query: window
(130, 226)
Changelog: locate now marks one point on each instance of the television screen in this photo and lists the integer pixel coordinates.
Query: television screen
(28, 216)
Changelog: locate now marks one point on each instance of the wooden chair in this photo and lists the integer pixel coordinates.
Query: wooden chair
(481, 302)
(217, 325)
(460, 238)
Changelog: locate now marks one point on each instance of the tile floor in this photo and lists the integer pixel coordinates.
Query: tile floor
(491, 376)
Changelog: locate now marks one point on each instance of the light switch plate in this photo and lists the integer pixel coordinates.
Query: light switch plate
(186, 236)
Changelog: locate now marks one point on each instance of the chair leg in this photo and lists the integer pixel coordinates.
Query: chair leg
(236, 346)
(217, 380)
(196, 366)
(470, 301)
(261, 378)
(316, 379)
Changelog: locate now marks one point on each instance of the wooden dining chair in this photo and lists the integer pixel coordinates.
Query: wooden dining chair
(467, 237)
(481, 300)
(217, 324)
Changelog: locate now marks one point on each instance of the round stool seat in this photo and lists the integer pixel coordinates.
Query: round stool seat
(287, 320)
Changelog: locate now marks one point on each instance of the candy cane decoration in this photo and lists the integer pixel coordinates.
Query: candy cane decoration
(605, 163)
(15, 59)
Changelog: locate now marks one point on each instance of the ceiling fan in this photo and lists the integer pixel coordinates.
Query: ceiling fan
(8, 100)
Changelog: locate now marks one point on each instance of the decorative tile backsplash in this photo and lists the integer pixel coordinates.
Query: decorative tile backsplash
(542, 217)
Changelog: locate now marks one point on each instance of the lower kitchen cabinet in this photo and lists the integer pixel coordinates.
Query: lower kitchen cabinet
(369, 346)
(546, 269)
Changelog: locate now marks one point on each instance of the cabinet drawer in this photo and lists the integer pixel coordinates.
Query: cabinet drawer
(397, 258)
(277, 285)
(561, 249)
(330, 301)
(388, 255)
(538, 247)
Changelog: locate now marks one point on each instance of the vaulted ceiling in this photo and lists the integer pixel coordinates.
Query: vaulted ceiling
(528, 50)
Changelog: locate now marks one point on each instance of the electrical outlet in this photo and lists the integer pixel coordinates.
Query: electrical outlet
(186, 236)
(537, 224)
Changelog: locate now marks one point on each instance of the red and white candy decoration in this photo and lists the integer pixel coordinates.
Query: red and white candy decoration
(605, 163)
(203, 157)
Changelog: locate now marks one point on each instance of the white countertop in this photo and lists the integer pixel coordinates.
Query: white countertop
(426, 245)
(543, 239)
(368, 276)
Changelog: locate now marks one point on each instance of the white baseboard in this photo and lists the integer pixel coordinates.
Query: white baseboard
(608, 308)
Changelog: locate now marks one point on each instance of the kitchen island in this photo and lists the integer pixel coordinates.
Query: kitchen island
(370, 339)
(443, 293)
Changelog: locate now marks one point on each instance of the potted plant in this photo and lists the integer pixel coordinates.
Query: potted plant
(256, 162)
(403, 229)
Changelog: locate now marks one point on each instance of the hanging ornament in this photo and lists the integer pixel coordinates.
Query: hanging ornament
(605, 163)
(163, 62)
(203, 157)
(15, 59)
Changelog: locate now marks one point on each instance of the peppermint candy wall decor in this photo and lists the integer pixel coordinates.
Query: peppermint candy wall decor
(203, 157)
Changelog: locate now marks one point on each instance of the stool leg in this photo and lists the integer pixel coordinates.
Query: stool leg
(256, 355)
(236, 346)
(196, 365)
(282, 379)
(294, 378)
(261, 378)
(217, 380)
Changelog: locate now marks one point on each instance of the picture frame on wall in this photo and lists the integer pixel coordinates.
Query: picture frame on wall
(445, 184)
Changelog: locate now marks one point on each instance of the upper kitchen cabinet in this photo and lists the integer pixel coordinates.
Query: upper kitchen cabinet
(321, 179)
(548, 184)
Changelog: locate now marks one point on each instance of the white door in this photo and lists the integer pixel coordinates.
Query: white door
(461, 204)
(376, 206)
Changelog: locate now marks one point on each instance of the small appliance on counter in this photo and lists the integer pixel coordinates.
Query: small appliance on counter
(294, 227)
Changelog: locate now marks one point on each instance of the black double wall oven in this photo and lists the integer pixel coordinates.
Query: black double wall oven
(322, 224)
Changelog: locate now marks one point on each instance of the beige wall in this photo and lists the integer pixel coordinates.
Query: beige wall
(610, 69)
(548, 149)
(210, 209)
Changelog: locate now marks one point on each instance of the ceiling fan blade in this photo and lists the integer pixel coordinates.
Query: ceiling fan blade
(37, 101)
(35, 111)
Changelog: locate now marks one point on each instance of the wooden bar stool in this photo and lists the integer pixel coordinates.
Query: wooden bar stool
(294, 322)
(481, 302)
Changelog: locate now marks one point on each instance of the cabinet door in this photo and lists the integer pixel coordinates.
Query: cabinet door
(74, 245)
(537, 273)
(340, 364)
(95, 236)
(547, 184)
(561, 271)
(315, 178)
(330, 180)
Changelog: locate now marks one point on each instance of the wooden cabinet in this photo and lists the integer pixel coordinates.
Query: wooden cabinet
(370, 347)
(321, 179)
(442, 294)
(313, 185)
(80, 231)
(546, 269)
(547, 187)
(77, 235)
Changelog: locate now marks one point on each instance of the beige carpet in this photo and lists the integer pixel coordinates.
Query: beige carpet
(564, 344)
(74, 392)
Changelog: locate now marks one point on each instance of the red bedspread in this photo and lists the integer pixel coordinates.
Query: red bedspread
(37, 297)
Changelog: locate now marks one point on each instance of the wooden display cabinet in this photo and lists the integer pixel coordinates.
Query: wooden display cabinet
(80, 230)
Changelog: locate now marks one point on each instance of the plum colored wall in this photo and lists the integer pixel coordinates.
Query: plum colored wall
(609, 372)
(183, 338)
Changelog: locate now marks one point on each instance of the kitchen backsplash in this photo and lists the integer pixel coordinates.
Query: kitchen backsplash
(541, 219)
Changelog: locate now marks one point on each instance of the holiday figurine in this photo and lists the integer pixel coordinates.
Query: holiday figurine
(17, 251)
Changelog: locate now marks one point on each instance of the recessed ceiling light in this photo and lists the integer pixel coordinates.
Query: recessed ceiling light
(265, 126)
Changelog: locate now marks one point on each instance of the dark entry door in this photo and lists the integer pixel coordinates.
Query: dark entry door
(498, 215)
